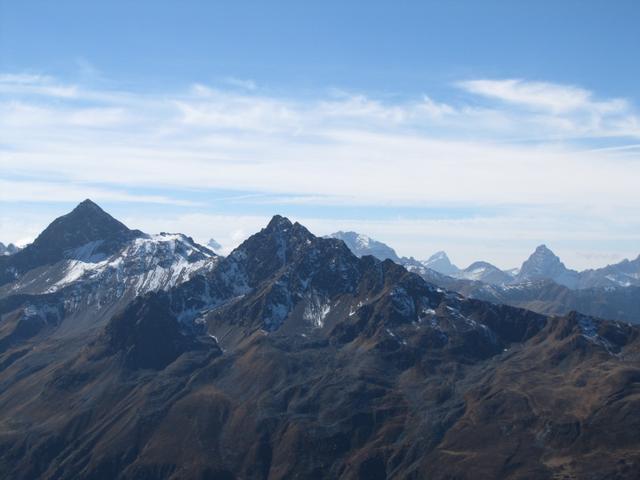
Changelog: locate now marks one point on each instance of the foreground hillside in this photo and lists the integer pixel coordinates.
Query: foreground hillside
(293, 358)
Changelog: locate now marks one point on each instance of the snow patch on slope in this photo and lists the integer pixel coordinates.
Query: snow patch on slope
(149, 263)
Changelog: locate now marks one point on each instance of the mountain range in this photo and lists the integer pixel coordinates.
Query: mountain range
(542, 264)
(542, 284)
(134, 356)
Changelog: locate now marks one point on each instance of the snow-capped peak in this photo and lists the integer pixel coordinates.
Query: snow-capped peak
(362, 245)
(363, 241)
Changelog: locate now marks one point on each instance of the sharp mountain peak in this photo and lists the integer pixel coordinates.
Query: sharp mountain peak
(87, 222)
(542, 248)
(87, 204)
(278, 223)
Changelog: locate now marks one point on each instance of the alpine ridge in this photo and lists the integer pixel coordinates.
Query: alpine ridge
(294, 358)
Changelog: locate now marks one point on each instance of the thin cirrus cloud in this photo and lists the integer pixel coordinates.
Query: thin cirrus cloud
(543, 95)
(533, 146)
(42, 191)
(573, 109)
(32, 84)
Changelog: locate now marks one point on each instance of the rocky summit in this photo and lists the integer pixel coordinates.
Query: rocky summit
(292, 357)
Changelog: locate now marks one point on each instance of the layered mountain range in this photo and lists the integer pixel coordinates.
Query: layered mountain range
(542, 284)
(541, 265)
(133, 356)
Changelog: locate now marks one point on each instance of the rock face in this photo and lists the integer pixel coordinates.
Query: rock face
(294, 358)
(148, 334)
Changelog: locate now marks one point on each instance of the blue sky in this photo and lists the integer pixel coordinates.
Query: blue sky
(394, 48)
(480, 128)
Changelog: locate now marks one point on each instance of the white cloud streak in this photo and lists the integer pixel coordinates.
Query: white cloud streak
(520, 148)
(544, 96)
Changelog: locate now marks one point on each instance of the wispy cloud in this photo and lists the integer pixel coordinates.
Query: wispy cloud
(574, 110)
(56, 192)
(540, 95)
(34, 84)
(517, 143)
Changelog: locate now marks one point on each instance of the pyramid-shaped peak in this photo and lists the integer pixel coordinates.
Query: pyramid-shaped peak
(440, 262)
(543, 249)
(278, 222)
(89, 214)
(439, 255)
(88, 204)
(543, 264)
(543, 253)
(280, 231)
(87, 222)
